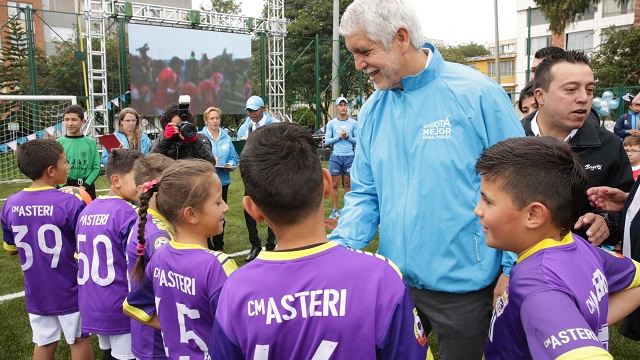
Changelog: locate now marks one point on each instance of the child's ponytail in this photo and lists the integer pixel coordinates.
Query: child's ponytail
(150, 187)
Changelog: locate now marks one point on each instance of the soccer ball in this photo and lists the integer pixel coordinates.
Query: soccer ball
(78, 192)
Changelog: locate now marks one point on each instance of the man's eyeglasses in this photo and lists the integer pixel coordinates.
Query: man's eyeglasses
(632, 151)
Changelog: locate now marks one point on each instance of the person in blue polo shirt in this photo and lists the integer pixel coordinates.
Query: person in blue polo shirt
(341, 135)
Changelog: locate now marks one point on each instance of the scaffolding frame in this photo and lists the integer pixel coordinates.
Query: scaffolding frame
(98, 11)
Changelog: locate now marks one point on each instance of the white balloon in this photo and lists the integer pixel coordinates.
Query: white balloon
(603, 104)
(607, 95)
(613, 104)
(596, 101)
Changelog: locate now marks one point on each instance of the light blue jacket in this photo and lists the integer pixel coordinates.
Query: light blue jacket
(243, 131)
(145, 145)
(341, 147)
(414, 175)
(223, 148)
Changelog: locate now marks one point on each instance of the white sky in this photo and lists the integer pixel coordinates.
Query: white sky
(455, 22)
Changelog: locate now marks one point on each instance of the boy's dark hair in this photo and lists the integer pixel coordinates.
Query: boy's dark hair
(35, 156)
(548, 51)
(75, 109)
(526, 92)
(282, 173)
(121, 161)
(543, 72)
(150, 167)
(538, 169)
(631, 140)
(168, 114)
(184, 183)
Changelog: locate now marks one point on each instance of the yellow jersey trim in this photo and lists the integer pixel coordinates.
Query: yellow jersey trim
(38, 188)
(139, 314)
(547, 244)
(636, 278)
(297, 254)
(383, 258)
(9, 247)
(584, 353)
(177, 245)
(156, 214)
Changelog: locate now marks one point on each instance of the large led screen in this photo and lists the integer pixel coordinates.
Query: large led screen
(213, 68)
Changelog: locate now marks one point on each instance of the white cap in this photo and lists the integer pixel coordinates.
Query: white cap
(254, 103)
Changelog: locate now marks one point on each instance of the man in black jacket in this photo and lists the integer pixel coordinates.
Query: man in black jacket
(564, 86)
(172, 144)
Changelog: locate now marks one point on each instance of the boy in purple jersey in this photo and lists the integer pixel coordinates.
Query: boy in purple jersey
(146, 342)
(319, 300)
(563, 291)
(102, 232)
(186, 275)
(38, 223)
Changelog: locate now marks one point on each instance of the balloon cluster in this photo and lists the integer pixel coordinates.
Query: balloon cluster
(606, 103)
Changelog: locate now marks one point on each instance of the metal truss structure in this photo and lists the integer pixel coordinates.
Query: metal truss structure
(98, 11)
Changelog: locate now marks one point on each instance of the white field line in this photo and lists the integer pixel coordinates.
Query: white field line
(21, 293)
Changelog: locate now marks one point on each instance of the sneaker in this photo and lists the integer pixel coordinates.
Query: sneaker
(334, 214)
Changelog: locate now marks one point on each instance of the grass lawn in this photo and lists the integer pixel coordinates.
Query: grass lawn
(15, 332)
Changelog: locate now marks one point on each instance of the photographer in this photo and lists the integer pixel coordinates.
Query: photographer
(180, 139)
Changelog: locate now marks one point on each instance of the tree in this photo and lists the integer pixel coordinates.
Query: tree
(14, 73)
(560, 13)
(460, 53)
(618, 59)
(306, 19)
(223, 7)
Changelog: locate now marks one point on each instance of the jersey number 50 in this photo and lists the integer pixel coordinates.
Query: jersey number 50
(83, 261)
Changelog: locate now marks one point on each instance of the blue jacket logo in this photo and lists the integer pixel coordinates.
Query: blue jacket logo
(437, 130)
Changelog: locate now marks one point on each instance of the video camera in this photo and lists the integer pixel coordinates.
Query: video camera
(187, 129)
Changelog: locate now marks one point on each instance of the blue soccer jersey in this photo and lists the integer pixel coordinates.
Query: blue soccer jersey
(146, 342)
(40, 224)
(556, 304)
(102, 232)
(324, 302)
(186, 283)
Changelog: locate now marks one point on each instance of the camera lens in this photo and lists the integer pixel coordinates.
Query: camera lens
(187, 130)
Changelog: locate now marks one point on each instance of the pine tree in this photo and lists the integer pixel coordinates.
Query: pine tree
(14, 73)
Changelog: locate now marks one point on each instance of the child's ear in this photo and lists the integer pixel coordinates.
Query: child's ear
(326, 180)
(50, 171)
(536, 215)
(252, 209)
(189, 215)
(115, 181)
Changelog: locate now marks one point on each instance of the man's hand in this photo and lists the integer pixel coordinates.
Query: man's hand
(343, 134)
(501, 287)
(607, 198)
(598, 230)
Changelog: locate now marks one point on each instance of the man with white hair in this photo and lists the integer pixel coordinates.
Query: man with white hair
(419, 137)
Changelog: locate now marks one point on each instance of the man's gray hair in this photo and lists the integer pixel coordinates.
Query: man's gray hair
(381, 19)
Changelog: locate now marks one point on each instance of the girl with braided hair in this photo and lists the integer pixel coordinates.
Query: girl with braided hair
(186, 276)
(146, 342)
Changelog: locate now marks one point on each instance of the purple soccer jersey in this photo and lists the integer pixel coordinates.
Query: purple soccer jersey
(186, 282)
(40, 223)
(102, 232)
(146, 342)
(324, 302)
(557, 301)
